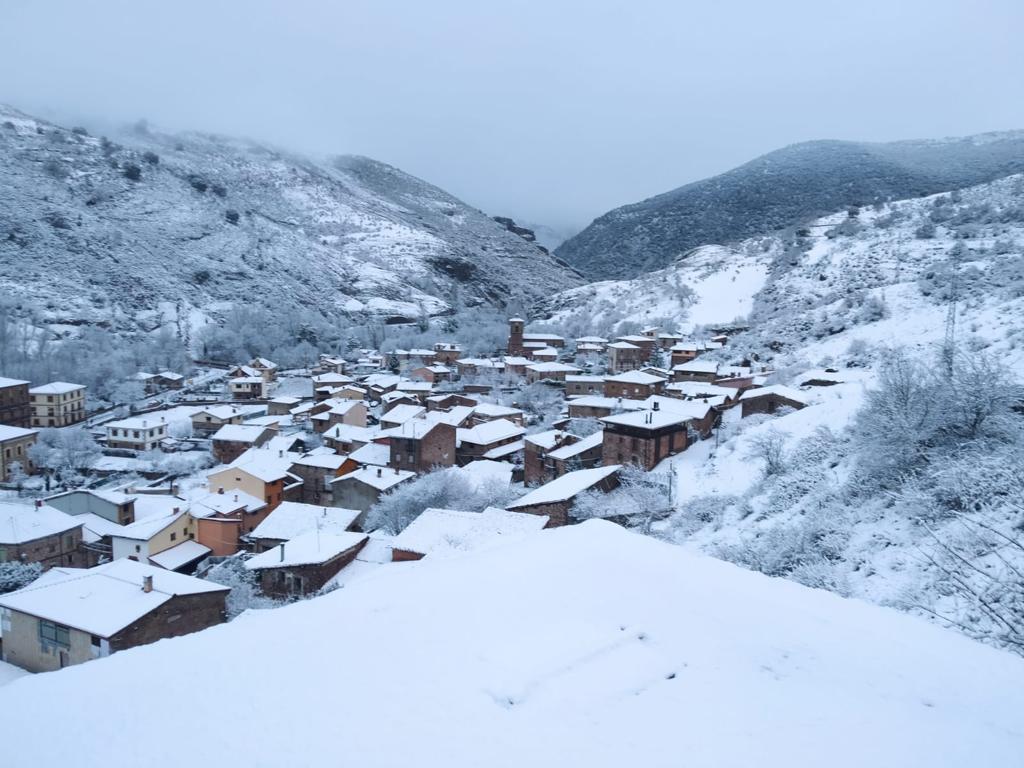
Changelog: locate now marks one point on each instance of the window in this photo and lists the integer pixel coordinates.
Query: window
(174, 536)
(94, 640)
(138, 548)
(54, 634)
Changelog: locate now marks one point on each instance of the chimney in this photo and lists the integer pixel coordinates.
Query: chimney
(280, 454)
(147, 583)
(236, 497)
(656, 406)
(220, 489)
(177, 510)
(379, 471)
(143, 422)
(39, 503)
(282, 551)
(396, 470)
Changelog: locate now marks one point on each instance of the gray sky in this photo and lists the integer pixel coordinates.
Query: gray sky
(550, 112)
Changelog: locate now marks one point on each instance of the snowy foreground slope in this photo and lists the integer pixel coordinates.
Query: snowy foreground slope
(151, 229)
(587, 644)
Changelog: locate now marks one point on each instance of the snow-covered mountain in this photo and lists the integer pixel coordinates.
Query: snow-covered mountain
(784, 188)
(148, 229)
(585, 641)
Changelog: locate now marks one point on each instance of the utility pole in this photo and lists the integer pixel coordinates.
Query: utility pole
(949, 342)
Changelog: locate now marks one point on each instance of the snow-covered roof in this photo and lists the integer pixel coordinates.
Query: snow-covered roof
(5, 382)
(495, 411)
(448, 531)
(219, 412)
(613, 403)
(347, 433)
(180, 555)
(20, 523)
(56, 388)
(310, 548)
(622, 345)
(291, 519)
(416, 386)
(105, 599)
(7, 432)
(239, 433)
(247, 380)
(413, 429)
(542, 337)
(380, 478)
(590, 641)
(170, 375)
(484, 472)
(490, 432)
(503, 451)
(286, 400)
(648, 419)
(262, 362)
(566, 452)
(700, 389)
(635, 377)
(592, 340)
(137, 422)
(778, 390)
(374, 454)
(332, 378)
(402, 413)
(552, 368)
(320, 460)
(565, 487)
(547, 439)
(456, 416)
(584, 379)
(231, 502)
(148, 527)
(697, 366)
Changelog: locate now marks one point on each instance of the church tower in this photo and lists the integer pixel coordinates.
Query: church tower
(515, 336)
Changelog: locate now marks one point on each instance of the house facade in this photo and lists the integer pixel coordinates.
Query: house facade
(138, 433)
(78, 615)
(39, 533)
(15, 443)
(15, 404)
(420, 446)
(304, 564)
(57, 404)
(643, 438)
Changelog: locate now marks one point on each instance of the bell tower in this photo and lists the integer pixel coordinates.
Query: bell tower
(515, 336)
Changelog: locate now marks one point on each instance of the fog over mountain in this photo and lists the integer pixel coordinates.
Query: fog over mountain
(548, 112)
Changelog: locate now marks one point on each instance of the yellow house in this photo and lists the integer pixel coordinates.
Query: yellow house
(57, 404)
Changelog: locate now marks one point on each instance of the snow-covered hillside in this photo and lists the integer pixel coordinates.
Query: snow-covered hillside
(587, 642)
(713, 285)
(149, 229)
(880, 275)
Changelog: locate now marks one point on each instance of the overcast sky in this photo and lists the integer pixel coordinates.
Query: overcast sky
(551, 112)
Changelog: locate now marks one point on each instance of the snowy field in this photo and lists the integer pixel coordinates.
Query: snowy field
(586, 641)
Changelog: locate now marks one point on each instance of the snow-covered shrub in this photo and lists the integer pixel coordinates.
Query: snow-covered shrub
(447, 488)
(245, 593)
(15, 575)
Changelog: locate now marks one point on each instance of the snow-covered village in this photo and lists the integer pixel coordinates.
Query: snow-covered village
(544, 458)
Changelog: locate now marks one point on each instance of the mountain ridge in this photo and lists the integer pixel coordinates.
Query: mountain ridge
(148, 229)
(784, 188)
